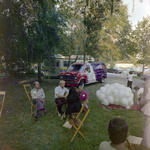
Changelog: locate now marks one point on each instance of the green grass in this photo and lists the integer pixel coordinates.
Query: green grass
(18, 129)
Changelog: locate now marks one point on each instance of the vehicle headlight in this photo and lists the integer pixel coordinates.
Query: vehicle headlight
(61, 77)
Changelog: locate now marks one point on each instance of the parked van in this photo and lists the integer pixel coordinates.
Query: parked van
(84, 73)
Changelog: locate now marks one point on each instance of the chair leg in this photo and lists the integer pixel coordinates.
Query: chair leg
(77, 130)
(70, 130)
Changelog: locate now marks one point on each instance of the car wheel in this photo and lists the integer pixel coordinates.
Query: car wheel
(102, 80)
(82, 83)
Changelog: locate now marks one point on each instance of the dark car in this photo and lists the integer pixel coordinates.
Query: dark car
(115, 70)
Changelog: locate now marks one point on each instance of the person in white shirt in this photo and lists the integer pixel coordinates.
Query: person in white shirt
(38, 96)
(139, 91)
(129, 77)
(117, 130)
(61, 94)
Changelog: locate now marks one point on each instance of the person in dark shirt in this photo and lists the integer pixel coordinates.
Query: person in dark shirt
(73, 100)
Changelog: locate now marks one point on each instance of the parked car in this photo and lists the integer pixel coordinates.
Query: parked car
(115, 70)
(137, 71)
(84, 73)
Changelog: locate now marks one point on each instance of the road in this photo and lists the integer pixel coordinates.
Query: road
(122, 79)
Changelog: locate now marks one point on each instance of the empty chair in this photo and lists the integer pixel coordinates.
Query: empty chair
(77, 123)
(2, 93)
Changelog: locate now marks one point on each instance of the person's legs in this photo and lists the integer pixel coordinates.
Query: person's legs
(39, 106)
(146, 135)
(128, 84)
(59, 103)
(131, 85)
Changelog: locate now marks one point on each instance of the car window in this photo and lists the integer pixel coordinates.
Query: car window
(76, 67)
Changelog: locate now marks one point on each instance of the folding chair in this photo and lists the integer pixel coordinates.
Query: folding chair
(7, 147)
(132, 142)
(2, 93)
(77, 123)
(27, 92)
(29, 96)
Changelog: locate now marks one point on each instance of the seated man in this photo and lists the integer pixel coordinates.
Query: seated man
(38, 96)
(139, 91)
(61, 94)
(117, 130)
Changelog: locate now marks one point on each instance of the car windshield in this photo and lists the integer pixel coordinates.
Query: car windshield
(76, 67)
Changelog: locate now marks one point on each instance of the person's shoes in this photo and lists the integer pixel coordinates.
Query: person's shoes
(36, 119)
(63, 116)
(44, 111)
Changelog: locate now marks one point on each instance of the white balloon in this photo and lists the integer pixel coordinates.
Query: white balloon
(121, 94)
(115, 92)
(108, 91)
(130, 99)
(117, 85)
(98, 93)
(128, 89)
(103, 89)
(117, 100)
(127, 94)
(102, 96)
(107, 85)
(124, 102)
(111, 99)
(128, 107)
(132, 95)
(105, 102)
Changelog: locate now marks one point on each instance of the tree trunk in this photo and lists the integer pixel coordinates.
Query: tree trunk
(69, 61)
(143, 69)
(39, 72)
(84, 57)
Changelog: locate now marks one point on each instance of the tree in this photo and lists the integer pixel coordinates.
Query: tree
(141, 36)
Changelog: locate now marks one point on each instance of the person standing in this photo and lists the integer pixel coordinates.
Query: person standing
(61, 94)
(145, 107)
(129, 77)
(38, 96)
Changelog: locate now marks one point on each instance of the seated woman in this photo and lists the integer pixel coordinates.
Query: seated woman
(73, 100)
(117, 130)
(83, 96)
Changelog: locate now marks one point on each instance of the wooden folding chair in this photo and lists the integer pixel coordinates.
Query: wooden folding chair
(2, 93)
(132, 142)
(7, 147)
(29, 96)
(27, 86)
(77, 123)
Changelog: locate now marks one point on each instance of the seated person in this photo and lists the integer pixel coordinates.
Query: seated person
(73, 100)
(117, 131)
(61, 94)
(83, 96)
(38, 96)
(139, 91)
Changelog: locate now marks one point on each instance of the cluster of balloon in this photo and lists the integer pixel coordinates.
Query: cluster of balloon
(116, 94)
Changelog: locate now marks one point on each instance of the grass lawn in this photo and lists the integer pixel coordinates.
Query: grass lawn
(18, 129)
